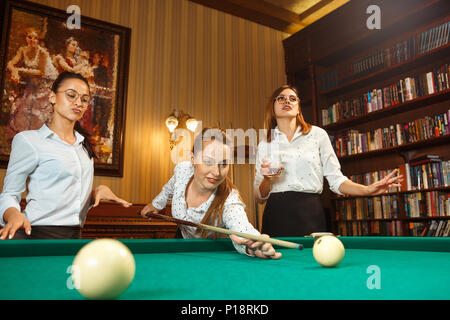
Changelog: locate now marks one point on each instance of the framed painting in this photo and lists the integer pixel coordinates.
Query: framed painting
(37, 43)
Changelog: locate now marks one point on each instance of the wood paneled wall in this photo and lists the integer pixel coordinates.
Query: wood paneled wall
(216, 67)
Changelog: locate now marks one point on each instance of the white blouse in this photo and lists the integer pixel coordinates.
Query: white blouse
(306, 160)
(234, 216)
(61, 177)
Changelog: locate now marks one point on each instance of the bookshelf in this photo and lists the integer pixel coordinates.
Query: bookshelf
(383, 96)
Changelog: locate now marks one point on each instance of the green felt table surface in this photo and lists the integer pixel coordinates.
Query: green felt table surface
(373, 268)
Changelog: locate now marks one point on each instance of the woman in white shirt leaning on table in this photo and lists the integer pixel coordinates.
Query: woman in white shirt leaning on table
(58, 159)
(201, 192)
(304, 155)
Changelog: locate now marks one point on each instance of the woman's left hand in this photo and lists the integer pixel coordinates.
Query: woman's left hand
(104, 193)
(259, 249)
(383, 185)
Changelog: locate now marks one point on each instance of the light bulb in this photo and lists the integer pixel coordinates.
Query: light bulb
(191, 124)
(171, 123)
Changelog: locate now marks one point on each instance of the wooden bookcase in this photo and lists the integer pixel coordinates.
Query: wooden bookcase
(338, 59)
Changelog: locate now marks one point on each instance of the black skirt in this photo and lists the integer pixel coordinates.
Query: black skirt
(49, 232)
(293, 214)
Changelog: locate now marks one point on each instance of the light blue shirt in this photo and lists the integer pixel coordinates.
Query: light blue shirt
(60, 179)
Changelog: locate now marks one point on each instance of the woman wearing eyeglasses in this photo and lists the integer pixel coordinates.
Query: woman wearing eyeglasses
(58, 160)
(306, 156)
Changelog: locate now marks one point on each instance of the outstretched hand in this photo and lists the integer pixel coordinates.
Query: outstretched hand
(259, 249)
(149, 208)
(104, 193)
(383, 185)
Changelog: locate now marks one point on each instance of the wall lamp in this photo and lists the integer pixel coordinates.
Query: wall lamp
(179, 120)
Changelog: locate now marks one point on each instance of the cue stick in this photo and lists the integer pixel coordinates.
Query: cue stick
(281, 243)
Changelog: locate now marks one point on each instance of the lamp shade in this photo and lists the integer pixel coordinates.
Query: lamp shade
(171, 123)
(191, 124)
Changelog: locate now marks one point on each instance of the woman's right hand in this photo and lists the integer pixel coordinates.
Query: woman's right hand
(14, 221)
(263, 250)
(148, 209)
(266, 184)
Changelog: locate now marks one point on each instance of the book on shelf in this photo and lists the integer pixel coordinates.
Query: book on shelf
(378, 207)
(377, 99)
(440, 228)
(424, 174)
(446, 232)
(424, 231)
(353, 142)
(427, 204)
(381, 58)
(405, 172)
(431, 228)
(370, 228)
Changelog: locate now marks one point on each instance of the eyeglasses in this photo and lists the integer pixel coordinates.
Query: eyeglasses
(72, 96)
(282, 99)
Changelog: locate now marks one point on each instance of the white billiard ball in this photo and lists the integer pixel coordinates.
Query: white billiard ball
(328, 251)
(103, 269)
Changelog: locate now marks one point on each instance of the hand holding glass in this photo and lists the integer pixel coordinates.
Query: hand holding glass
(271, 166)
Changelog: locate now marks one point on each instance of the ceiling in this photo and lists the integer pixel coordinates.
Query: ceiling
(288, 16)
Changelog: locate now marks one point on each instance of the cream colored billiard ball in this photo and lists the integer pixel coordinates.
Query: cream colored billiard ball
(103, 269)
(328, 251)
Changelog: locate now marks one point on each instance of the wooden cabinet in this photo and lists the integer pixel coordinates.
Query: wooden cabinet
(113, 221)
(110, 220)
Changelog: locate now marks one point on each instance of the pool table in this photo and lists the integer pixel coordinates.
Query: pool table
(373, 268)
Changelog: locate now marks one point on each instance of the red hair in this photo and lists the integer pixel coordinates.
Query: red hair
(270, 120)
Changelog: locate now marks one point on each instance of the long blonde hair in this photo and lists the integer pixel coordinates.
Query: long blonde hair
(214, 214)
(270, 121)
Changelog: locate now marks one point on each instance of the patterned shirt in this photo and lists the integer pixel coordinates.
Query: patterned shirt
(234, 216)
(306, 159)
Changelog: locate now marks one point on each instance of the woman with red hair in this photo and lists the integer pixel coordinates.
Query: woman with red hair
(201, 192)
(306, 156)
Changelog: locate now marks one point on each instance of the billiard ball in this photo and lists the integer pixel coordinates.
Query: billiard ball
(328, 251)
(103, 269)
